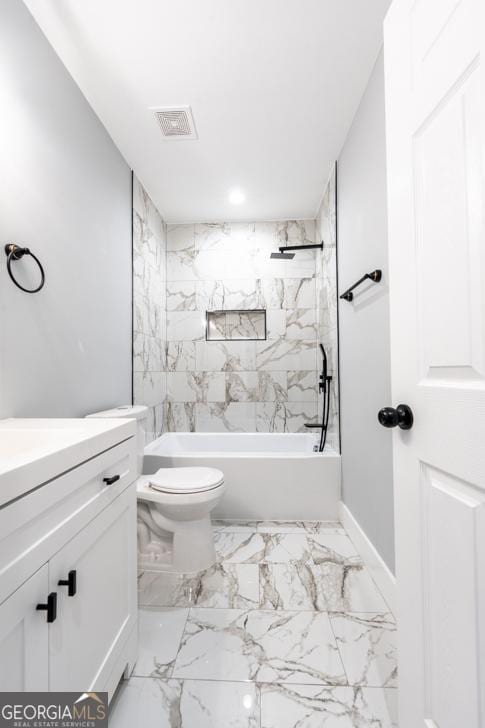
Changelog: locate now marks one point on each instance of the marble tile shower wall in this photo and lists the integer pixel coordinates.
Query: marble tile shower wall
(149, 309)
(326, 296)
(241, 386)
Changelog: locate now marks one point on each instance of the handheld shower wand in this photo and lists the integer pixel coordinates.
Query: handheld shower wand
(323, 376)
(323, 388)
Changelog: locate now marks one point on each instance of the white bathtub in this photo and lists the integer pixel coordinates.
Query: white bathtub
(268, 476)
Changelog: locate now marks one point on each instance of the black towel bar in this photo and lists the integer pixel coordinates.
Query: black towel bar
(375, 276)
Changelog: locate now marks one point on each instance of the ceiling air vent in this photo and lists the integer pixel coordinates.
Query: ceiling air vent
(176, 123)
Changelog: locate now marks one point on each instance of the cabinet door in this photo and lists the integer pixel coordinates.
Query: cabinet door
(24, 636)
(93, 624)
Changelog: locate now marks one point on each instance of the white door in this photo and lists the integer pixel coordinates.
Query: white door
(435, 95)
(24, 635)
(94, 622)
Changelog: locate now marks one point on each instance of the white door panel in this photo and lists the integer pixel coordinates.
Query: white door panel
(439, 27)
(436, 151)
(449, 258)
(452, 514)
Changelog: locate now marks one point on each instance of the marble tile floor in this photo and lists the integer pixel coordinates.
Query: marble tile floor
(286, 630)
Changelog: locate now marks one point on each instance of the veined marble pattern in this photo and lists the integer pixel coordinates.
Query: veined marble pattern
(242, 387)
(149, 308)
(180, 416)
(273, 386)
(159, 634)
(262, 646)
(285, 416)
(289, 293)
(181, 296)
(284, 355)
(308, 527)
(257, 548)
(367, 647)
(186, 384)
(326, 293)
(348, 587)
(227, 266)
(225, 356)
(185, 270)
(180, 356)
(302, 386)
(225, 417)
(223, 586)
(256, 640)
(196, 386)
(301, 324)
(291, 586)
(185, 326)
(310, 706)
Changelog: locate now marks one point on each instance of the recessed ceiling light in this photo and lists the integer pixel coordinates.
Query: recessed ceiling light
(236, 197)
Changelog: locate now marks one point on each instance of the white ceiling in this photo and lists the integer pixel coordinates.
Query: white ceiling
(273, 85)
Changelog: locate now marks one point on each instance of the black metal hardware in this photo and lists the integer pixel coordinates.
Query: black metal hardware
(401, 417)
(50, 607)
(15, 252)
(284, 255)
(111, 480)
(70, 582)
(312, 246)
(375, 276)
(323, 387)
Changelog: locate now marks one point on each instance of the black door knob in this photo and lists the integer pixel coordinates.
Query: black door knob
(401, 417)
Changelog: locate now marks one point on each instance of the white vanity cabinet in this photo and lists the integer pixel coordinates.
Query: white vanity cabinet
(94, 622)
(69, 545)
(24, 637)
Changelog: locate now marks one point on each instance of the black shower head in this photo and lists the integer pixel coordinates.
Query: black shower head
(282, 256)
(285, 255)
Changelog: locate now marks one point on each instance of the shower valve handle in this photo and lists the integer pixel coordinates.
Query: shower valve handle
(401, 416)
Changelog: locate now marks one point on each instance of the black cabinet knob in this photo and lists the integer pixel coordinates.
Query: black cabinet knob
(401, 416)
(70, 582)
(50, 607)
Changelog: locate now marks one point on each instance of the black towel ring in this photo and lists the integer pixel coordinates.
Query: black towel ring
(15, 252)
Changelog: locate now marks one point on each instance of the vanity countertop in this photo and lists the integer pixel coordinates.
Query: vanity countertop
(34, 451)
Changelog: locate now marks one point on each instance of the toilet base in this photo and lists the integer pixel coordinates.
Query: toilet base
(175, 529)
(187, 549)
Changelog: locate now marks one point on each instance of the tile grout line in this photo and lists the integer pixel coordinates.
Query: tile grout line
(181, 639)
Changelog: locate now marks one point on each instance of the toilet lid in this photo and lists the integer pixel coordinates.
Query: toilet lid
(185, 480)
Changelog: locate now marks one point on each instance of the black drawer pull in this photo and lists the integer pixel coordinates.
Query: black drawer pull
(70, 582)
(111, 480)
(50, 607)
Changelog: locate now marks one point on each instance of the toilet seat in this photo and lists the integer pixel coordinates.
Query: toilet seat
(185, 480)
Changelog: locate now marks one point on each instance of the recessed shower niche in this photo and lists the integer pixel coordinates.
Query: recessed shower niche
(237, 325)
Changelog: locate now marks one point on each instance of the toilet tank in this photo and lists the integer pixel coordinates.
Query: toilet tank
(136, 412)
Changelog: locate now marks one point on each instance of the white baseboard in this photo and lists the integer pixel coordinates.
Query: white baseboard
(382, 575)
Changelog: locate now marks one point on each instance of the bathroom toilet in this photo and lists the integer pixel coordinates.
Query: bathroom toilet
(178, 502)
(174, 507)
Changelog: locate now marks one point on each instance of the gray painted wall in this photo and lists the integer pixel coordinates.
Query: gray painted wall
(364, 324)
(65, 192)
